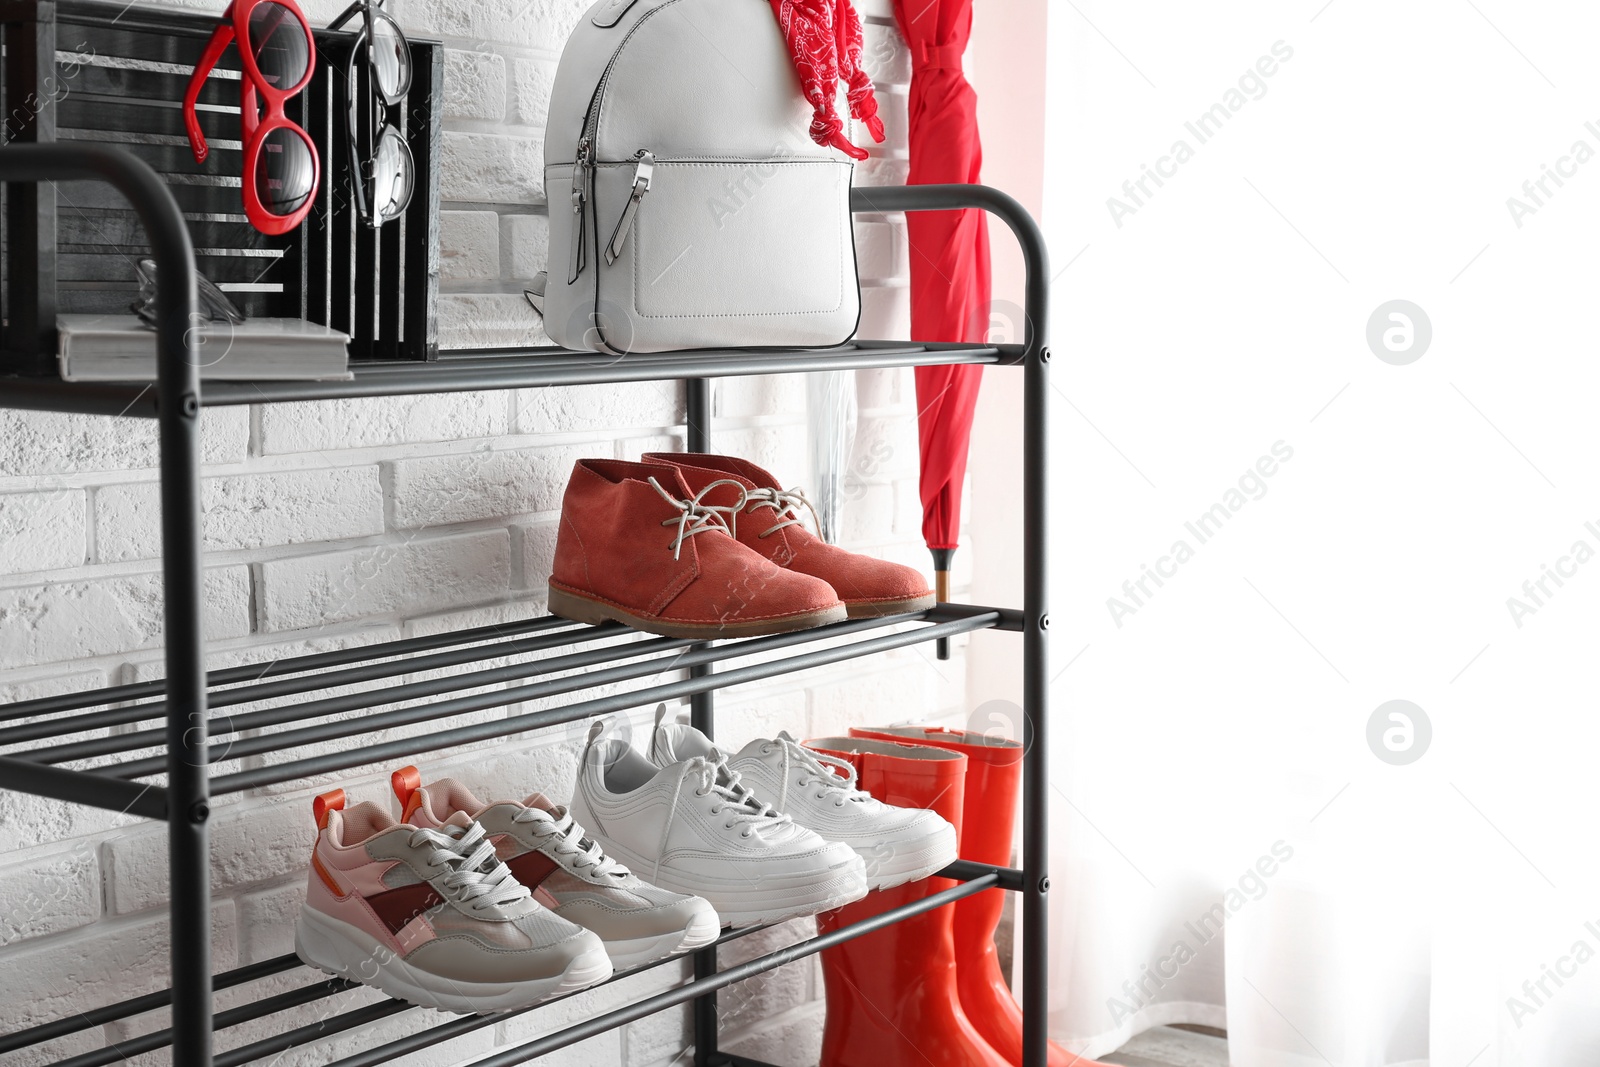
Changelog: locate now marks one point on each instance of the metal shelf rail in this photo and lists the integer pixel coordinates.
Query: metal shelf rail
(88, 747)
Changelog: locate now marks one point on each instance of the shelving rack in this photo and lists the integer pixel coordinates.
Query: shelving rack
(606, 654)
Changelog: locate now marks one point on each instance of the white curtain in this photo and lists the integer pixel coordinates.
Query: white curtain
(1325, 440)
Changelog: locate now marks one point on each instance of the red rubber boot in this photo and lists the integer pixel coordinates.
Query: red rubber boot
(892, 997)
(994, 775)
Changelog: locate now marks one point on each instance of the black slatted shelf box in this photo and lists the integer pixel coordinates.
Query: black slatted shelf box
(87, 71)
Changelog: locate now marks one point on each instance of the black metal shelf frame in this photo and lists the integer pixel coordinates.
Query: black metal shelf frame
(971, 878)
(848, 640)
(507, 656)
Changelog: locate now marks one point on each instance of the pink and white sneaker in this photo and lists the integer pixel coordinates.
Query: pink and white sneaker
(568, 872)
(431, 916)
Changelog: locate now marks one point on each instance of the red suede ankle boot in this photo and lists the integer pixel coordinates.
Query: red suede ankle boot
(994, 774)
(892, 997)
(637, 546)
(766, 517)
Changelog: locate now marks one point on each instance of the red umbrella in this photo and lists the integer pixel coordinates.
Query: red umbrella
(949, 261)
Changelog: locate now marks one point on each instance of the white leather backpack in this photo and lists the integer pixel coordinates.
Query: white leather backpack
(688, 206)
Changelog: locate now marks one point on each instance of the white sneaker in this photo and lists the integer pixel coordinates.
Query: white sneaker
(688, 829)
(818, 791)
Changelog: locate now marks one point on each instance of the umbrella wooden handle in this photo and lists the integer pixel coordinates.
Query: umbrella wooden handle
(941, 593)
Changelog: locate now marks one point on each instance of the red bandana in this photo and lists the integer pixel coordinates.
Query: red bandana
(825, 42)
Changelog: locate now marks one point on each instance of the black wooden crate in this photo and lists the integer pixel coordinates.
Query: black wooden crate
(112, 73)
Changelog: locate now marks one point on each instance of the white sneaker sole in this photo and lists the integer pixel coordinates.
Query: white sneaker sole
(342, 950)
(750, 904)
(636, 952)
(835, 894)
(892, 863)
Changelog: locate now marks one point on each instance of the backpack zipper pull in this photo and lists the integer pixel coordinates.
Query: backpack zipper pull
(580, 186)
(644, 166)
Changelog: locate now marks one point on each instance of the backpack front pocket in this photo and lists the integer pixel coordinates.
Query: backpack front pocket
(738, 252)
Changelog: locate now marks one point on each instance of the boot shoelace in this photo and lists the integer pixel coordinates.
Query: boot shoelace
(566, 837)
(786, 502)
(818, 769)
(477, 877)
(695, 517)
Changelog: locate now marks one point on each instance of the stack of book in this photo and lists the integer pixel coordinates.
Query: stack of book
(119, 348)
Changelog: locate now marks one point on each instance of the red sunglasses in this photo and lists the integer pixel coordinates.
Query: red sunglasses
(281, 168)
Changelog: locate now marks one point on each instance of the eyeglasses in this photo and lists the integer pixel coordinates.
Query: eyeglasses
(281, 168)
(381, 160)
(214, 305)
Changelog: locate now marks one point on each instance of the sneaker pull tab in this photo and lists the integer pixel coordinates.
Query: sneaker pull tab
(580, 198)
(407, 785)
(644, 167)
(325, 803)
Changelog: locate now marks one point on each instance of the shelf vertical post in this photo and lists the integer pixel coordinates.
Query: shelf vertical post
(697, 414)
(697, 417)
(188, 785)
(1035, 659)
(178, 421)
(183, 605)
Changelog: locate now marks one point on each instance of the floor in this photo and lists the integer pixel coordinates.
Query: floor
(1167, 1046)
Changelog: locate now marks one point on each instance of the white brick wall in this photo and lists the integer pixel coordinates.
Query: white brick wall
(414, 574)
(343, 523)
(246, 511)
(84, 614)
(48, 528)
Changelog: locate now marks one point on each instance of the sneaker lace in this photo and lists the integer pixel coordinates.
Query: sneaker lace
(818, 769)
(733, 797)
(695, 517)
(566, 837)
(477, 876)
(786, 502)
